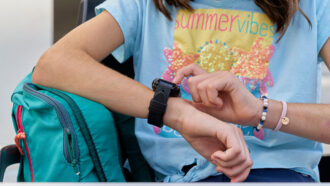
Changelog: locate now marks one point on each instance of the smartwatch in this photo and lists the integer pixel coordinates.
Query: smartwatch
(163, 89)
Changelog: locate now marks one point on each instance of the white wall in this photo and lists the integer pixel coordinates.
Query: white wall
(26, 31)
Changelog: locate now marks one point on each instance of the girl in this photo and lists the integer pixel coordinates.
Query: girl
(272, 47)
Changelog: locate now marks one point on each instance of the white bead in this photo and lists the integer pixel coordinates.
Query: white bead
(266, 104)
(263, 118)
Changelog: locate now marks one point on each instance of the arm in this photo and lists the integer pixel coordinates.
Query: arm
(72, 65)
(222, 95)
(306, 120)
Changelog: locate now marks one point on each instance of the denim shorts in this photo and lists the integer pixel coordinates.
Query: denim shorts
(266, 175)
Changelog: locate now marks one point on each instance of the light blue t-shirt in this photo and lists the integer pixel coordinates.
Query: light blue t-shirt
(229, 35)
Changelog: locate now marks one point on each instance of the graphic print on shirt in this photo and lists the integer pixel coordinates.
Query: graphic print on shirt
(227, 40)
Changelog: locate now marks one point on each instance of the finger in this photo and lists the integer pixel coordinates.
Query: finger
(233, 158)
(229, 164)
(241, 177)
(236, 151)
(187, 71)
(229, 154)
(241, 141)
(246, 151)
(202, 91)
(236, 171)
(244, 157)
(248, 161)
(213, 95)
(194, 83)
(225, 81)
(215, 84)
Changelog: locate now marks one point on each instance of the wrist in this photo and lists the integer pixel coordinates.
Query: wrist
(258, 114)
(274, 113)
(163, 90)
(176, 109)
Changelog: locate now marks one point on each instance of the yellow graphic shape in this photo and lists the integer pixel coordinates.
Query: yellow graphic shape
(215, 56)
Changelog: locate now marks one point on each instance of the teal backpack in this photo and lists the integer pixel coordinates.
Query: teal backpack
(67, 138)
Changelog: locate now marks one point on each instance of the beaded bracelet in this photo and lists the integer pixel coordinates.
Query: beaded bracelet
(264, 114)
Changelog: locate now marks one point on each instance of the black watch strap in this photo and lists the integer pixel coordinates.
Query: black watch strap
(158, 105)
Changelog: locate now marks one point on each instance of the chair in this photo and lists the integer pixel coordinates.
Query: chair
(9, 155)
(86, 10)
(324, 168)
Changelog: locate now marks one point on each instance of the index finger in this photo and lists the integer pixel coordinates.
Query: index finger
(186, 71)
(227, 155)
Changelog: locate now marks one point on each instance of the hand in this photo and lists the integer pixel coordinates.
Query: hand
(220, 143)
(222, 95)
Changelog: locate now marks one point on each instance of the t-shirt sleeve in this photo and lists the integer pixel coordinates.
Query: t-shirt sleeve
(128, 14)
(323, 22)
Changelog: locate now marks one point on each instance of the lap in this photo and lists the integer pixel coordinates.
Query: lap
(266, 175)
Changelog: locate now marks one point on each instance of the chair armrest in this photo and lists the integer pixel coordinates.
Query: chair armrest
(9, 155)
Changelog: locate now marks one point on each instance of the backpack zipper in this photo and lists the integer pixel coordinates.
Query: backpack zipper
(71, 149)
(84, 130)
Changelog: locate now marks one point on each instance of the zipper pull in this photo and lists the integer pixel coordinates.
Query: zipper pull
(75, 166)
(20, 135)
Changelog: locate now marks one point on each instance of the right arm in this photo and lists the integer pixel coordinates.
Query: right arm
(222, 95)
(72, 65)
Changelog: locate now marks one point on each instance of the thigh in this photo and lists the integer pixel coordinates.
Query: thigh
(277, 175)
(266, 175)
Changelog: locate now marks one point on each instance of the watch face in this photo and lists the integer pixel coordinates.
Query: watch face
(175, 89)
(155, 83)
